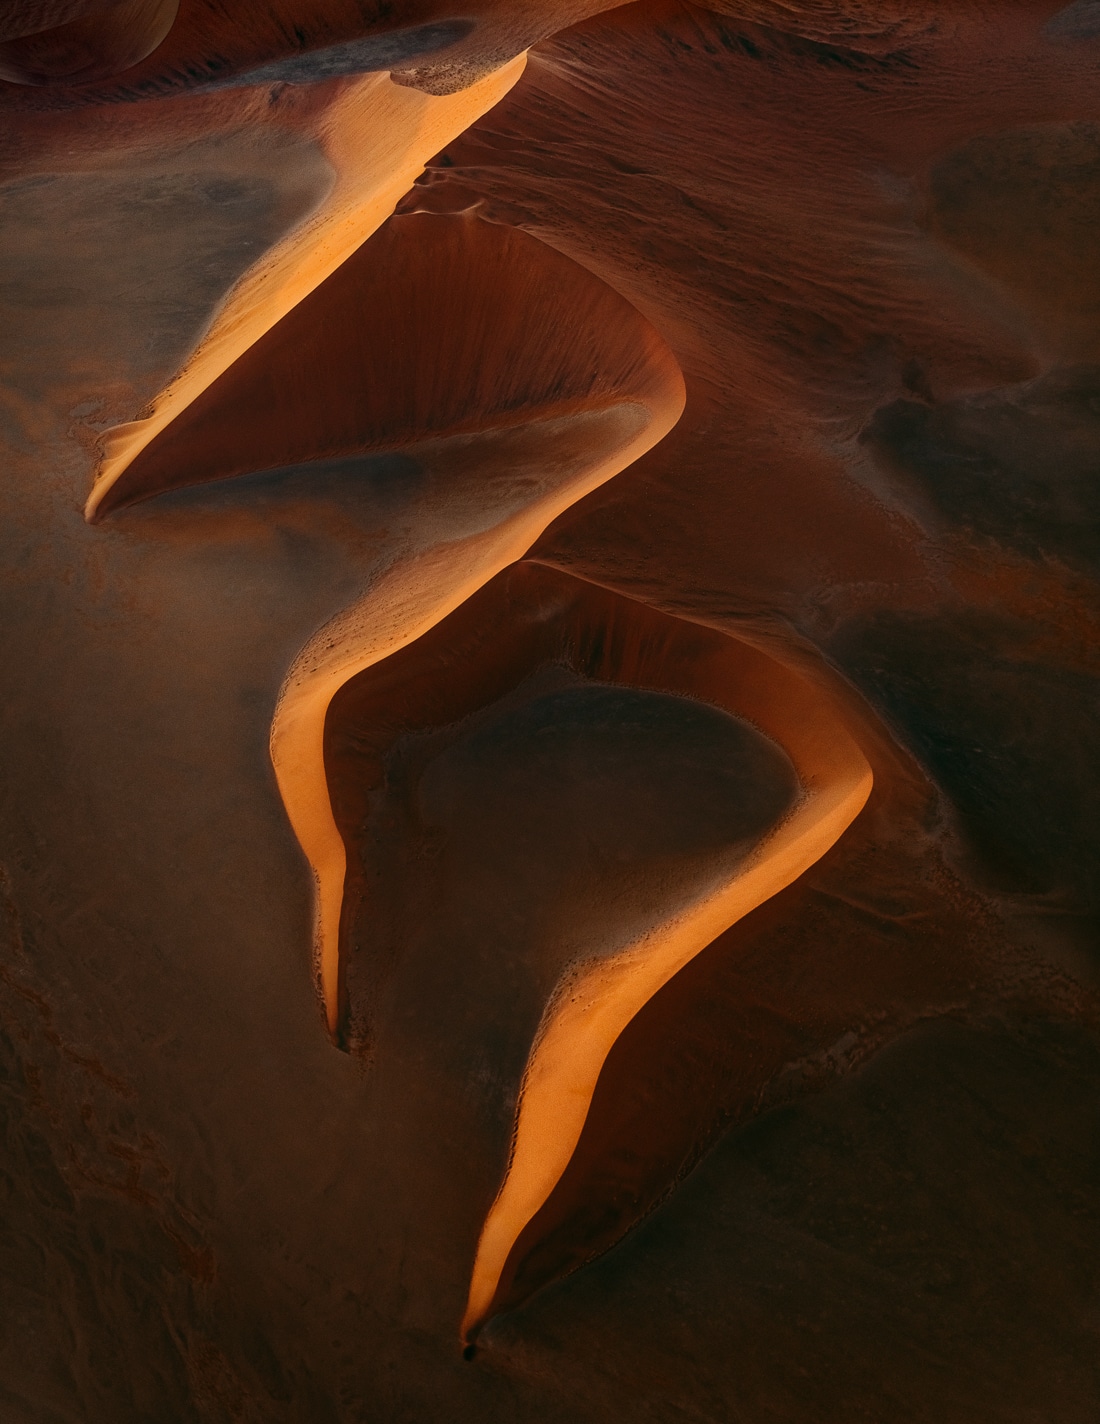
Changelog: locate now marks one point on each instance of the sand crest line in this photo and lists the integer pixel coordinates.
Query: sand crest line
(378, 136)
(587, 1016)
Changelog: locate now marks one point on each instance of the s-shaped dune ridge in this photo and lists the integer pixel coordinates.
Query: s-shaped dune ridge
(512, 382)
(533, 623)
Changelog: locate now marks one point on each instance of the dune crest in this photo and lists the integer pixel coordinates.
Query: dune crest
(534, 622)
(377, 135)
(512, 382)
(594, 1005)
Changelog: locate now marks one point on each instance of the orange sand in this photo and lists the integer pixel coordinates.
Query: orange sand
(75, 42)
(537, 383)
(593, 1008)
(377, 136)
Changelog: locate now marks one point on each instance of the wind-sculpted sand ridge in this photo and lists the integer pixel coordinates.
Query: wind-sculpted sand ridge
(533, 623)
(377, 135)
(511, 381)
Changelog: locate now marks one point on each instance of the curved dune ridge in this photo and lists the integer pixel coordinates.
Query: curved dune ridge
(532, 617)
(377, 135)
(77, 41)
(513, 381)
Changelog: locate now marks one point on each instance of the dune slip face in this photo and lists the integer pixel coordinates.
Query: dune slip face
(512, 383)
(377, 136)
(502, 383)
(572, 526)
(80, 41)
(802, 780)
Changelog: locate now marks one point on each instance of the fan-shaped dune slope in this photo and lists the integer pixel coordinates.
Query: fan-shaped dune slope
(439, 326)
(571, 962)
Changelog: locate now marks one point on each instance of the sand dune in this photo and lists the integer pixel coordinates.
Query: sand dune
(853, 1132)
(867, 26)
(81, 53)
(377, 136)
(512, 381)
(80, 41)
(534, 618)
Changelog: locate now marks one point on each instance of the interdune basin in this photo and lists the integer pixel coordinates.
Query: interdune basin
(549, 816)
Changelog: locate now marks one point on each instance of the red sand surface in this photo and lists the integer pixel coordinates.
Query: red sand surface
(549, 754)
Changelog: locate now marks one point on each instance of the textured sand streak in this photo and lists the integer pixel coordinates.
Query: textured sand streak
(405, 603)
(590, 1011)
(378, 135)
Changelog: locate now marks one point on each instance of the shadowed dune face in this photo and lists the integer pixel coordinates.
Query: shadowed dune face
(552, 678)
(550, 849)
(78, 43)
(376, 136)
(366, 137)
(88, 51)
(511, 381)
(437, 327)
(31, 17)
(862, 25)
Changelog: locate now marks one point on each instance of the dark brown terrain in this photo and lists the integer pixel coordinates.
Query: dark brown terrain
(550, 758)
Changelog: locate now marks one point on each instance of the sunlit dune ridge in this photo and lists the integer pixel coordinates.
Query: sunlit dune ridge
(534, 617)
(513, 382)
(377, 135)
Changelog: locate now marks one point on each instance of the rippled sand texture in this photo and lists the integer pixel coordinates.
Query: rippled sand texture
(78, 41)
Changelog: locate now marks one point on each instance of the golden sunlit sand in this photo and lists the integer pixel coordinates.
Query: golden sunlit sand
(593, 1008)
(377, 136)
